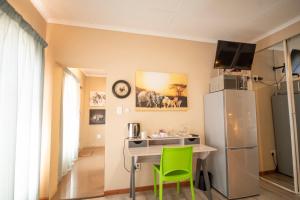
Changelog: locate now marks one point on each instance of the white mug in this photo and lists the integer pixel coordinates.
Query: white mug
(143, 134)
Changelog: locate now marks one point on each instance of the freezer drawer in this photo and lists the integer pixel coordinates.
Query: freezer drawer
(217, 165)
(243, 174)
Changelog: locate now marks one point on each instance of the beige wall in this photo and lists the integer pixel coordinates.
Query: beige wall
(89, 133)
(80, 76)
(263, 63)
(294, 42)
(265, 130)
(31, 15)
(55, 137)
(279, 36)
(262, 66)
(120, 55)
(46, 126)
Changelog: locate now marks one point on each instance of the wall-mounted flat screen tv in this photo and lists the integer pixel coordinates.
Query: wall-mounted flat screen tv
(295, 58)
(234, 55)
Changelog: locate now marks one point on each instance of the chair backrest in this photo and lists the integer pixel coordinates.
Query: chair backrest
(176, 159)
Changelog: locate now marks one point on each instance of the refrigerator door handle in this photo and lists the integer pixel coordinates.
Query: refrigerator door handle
(239, 148)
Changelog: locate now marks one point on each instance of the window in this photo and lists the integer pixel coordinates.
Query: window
(21, 90)
(70, 122)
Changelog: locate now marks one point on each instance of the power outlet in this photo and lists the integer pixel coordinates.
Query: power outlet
(138, 165)
(273, 152)
(255, 77)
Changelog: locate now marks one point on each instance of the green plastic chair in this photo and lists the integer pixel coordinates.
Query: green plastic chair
(175, 165)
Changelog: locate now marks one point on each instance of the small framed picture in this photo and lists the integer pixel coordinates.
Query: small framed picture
(97, 98)
(97, 116)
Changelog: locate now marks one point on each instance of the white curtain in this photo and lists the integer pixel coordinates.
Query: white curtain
(70, 122)
(21, 83)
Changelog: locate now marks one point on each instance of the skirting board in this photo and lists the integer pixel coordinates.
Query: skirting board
(267, 172)
(143, 188)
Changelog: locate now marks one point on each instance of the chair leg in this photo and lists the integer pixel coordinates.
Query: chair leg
(155, 185)
(178, 187)
(192, 188)
(160, 189)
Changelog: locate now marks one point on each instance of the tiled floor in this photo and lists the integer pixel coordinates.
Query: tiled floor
(283, 180)
(268, 192)
(86, 178)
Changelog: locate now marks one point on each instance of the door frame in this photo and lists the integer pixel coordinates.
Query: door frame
(292, 116)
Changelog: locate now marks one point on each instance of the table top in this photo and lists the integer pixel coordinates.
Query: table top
(171, 137)
(156, 150)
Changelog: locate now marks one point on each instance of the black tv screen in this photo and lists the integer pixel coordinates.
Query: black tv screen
(234, 55)
(295, 58)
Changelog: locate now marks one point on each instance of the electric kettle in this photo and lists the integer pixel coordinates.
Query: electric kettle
(133, 130)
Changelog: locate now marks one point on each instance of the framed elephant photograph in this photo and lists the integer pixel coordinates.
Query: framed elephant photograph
(157, 91)
(97, 116)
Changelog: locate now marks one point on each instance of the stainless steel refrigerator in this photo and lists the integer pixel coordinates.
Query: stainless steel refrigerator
(230, 126)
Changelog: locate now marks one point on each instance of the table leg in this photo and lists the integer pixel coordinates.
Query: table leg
(206, 178)
(133, 178)
(130, 187)
(198, 171)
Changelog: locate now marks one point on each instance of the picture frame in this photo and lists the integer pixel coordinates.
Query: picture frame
(97, 99)
(97, 116)
(158, 91)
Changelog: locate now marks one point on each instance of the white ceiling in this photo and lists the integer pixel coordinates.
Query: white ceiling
(200, 20)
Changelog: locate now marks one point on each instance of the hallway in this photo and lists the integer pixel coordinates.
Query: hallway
(86, 178)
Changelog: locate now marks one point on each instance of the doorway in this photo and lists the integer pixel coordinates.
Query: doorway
(293, 56)
(273, 121)
(278, 111)
(85, 177)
